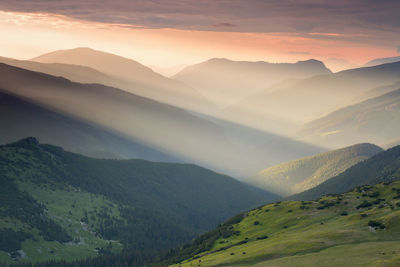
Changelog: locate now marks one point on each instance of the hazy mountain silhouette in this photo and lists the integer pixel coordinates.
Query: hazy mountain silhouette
(375, 120)
(21, 118)
(225, 81)
(169, 129)
(131, 76)
(317, 96)
(379, 61)
(299, 175)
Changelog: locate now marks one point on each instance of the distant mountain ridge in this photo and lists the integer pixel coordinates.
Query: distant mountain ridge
(305, 173)
(314, 97)
(131, 76)
(374, 120)
(226, 81)
(172, 130)
(379, 61)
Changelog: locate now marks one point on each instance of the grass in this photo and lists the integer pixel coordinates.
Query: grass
(67, 207)
(294, 233)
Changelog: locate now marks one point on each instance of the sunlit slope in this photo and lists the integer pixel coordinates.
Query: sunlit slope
(60, 205)
(165, 128)
(302, 174)
(375, 120)
(257, 149)
(226, 81)
(162, 126)
(312, 98)
(21, 118)
(360, 228)
(76, 73)
(384, 166)
(131, 76)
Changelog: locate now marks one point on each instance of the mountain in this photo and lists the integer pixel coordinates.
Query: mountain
(61, 205)
(375, 120)
(358, 228)
(315, 97)
(299, 175)
(379, 61)
(261, 148)
(22, 118)
(76, 73)
(129, 115)
(225, 81)
(168, 71)
(383, 167)
(378, 91)
(131, 76)
(174, 131)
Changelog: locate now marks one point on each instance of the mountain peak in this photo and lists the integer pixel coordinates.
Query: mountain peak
(28, 141)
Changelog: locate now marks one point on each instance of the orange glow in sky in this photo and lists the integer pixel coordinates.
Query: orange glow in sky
(26, 35)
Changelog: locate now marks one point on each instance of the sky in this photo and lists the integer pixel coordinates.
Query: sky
(174, 32)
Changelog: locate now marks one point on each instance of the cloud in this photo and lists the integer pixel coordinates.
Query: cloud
(357, 20)
(224, 24)
(398, 49)
(298, 53)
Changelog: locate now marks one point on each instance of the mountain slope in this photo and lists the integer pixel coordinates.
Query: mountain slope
(131, 76)
(165, 128)
(302, 174)
(312, 98)
(382, 167)
(21, 118)
(379, 61)
(375, 120)
(225, 81)
(76, 73)
(141, 205)
(360, 228)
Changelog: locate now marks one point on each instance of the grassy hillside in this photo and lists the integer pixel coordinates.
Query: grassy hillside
(60, 205)
(375, 120)
(302, 174)
(360, 228)
(384, 166)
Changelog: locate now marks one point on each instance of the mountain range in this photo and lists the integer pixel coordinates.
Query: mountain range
(312, 98)
(225, 82)
(376, 120)
(185, 135)
(379, 61)
(128, 75)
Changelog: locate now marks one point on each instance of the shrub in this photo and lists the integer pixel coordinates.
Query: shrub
(376, 224)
